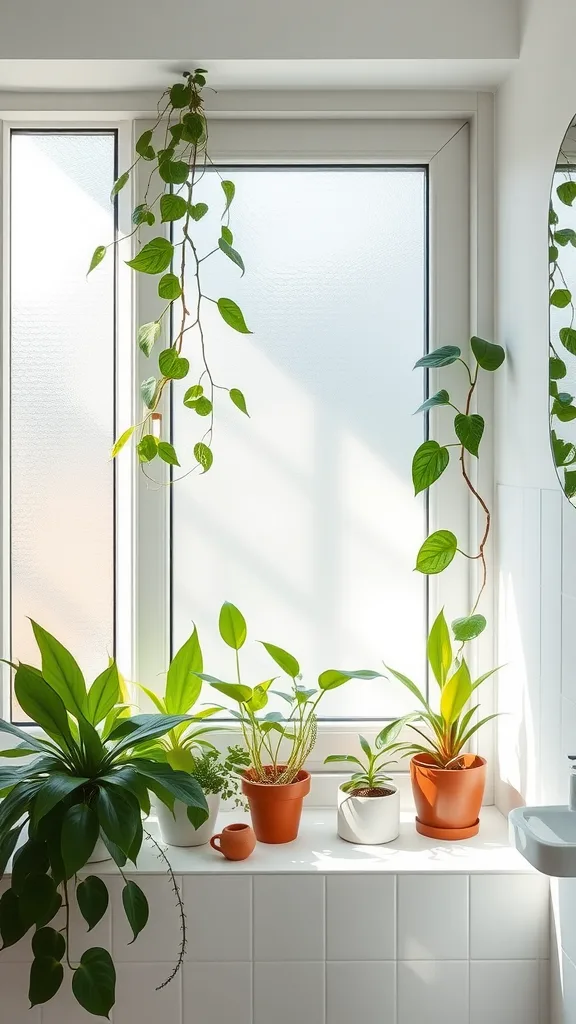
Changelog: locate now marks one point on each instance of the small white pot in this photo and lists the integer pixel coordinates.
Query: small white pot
(99, 853)
(369, 819)
(177, 830)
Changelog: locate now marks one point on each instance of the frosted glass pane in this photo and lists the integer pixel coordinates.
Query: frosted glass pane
(307, 520)
(62, 394)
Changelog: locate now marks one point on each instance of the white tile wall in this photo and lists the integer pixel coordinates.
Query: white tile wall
(438, 988)
(211, 900)
(288, 918)
(14, 1005)
(289, 992)
(361, 917)
(433, 917)
(218, 993)
(497, 930)
(360, 991)
(505, 991)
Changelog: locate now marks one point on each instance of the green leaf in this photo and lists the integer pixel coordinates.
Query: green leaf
(27, 739)
(468, 628)
(564, 451)
(135, 907)
(118, 813)
(93, 899)
(119, 444)
(440, 398)
(569, 483)
(229, 190)
(552, 215)
(436, 552)
(97, 257)
(94, 982)
(233, 255)
(180, 95)
(31, 859)
(333, 677)
(103, 694)
(232, 626)
(287, 662)
(143, 146)
(173, 172)
(365, 747)
(439, 649)
(488, 355)
(167, 453)
(7, 846)
(169, 287)
(237, 691)
(46, 977)
(148, 334)
(154, 257)
(428, 464)
(148, 391)
(560, 298)
(147, 448)
(61, 671)
(181, 785)
(388, 734)
(119, 184)
(53, 790)
(564, 412)
(203, 455)
(202, 406)
(182, 683)
(37, 898)
(194, 127)
(440, 356)
(42, 704)
(226, 234)
(192, 395)
(172, 207)
(455, 694)
(232, 315)
(135, 730)
(469, 430)
(48, 942)
(12, 923)
(565, 235)
(567, 336)
(558, 367)
(142, 214)
(239, 401)
(552, 254)
(80, 831)
(347, 758)
(566, 192)
(173, 366)
(198, 210)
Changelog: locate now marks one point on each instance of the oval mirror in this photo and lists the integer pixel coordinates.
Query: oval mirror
(562, 258)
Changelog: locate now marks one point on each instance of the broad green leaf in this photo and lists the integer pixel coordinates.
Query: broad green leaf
(154, 257)
(148, 391)
(440, 356)
(135, 907)
(172, 365)
(488, 355)
(233, 255)
(172, 207)
(232, 626)
(61, 671)
(194, 127)
(80, 831)
(347, 758)
(46, 977)
(169, 287)
(28, 740)
(565, 235)
(566, 192)
(567, 336)
(31, 859)
(142, 214)
(173, 172)
(118, 813)
(552, 254)
(192, 395)
(198, 210)
(42, 704)
(439, 649)
(569, 483)
(115, 852)
(156, 700)
(182, 786)
(229, 189)
(17, 803)
(7, 846)
(226, 234)
(388, 734)
(287, 662)
(436, 552)
(429, 462)
(232, 315)
(147, 448)
(145, 727)
(203, 455)
(94, 982)
(180, 95)
(202, 406)
(37, 898)
(560, 297)
(455, 694)
(148, 334)
(119, 184)
(119, 444)
(557, 368)
(97, 257)
(237, 691)
(143, 146)
(365, 747)
(93, 899)
(469, 430)
(127, 778)
(182, 683)
(440, 398)
(239, 401)
(333, 677)
(52, 791)
(167, 453)
(12, 923)
(49, 942)
(468, 628)
(103, 694)
(181, 759)
(564, 411)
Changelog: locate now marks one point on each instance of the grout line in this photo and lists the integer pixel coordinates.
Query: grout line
(469, 946)
(325, 938)
(253, 948)
(396, 949)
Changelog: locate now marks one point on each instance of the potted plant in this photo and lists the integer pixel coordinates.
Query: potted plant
(276, 781)
(219, 779)
(369, 803)
(88, 784)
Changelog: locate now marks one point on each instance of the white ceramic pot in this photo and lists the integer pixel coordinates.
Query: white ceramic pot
(99, 853)
(369, 819)
(177, 830)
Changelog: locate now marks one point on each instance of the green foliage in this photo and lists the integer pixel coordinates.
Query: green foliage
(428, 464)
(217, 774)
(562, 408)
(86, 780)
(369, 771)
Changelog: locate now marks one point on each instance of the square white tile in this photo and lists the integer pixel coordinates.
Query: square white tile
(219, 915)
(216, 994)
(432, 917)
(509, 917)
(505, 991)
(565, 912)
(433, 991)
(360, 991)
(361, 917)
(289, 917)
(288, 993)
(159, 941)
(138, 1000)
(568, 647)
(565, 1001)
(14, 1003)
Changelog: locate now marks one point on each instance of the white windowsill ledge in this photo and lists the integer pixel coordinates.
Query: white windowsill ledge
(318, 849)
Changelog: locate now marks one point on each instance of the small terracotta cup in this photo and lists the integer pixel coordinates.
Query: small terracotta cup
(236, 842)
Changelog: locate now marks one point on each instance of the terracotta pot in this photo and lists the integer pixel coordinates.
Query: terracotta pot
(276, 810)
(448, 800)
(236, 842)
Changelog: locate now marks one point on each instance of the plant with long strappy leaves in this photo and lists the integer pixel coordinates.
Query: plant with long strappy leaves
(176, 151)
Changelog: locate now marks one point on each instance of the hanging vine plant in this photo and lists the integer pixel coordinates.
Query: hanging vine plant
(176, 149)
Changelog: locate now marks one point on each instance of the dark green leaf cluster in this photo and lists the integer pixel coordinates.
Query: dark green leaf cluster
(562, 407)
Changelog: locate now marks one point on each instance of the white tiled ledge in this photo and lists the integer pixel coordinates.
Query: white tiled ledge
(319, 850)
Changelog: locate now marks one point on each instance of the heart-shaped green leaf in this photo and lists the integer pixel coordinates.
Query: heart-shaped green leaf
(46, 976)
(203, 455)
(180, 95)
(436, 552)
(147, 448)
(198, 210)
(144, 147)
(440, 398)
(148, 391)
(173, 172)
(567, 336)
(172, 207)
(557, 368)
(167, 453)
(192, 395)
(232, 254)
(232, 315)
(564, 236)
(468, 628)
(193, 127)
(566, 192)
(142, 214)
(135, 907)
(173, 366)
(94, 982)
(429, 462)
(469, 430)
(239, 401)
(93, 899)
(560, 298)
(488, 355)
(154, 257)
(169, 287)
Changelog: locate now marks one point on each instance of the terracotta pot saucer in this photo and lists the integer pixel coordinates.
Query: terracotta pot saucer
(447, 833)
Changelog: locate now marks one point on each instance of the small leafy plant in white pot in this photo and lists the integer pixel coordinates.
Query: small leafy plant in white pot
(369, 802)
(219, 778)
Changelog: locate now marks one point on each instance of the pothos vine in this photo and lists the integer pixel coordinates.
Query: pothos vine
(176, 148)
(562, 408)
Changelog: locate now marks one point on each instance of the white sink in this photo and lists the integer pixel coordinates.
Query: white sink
(546, 837)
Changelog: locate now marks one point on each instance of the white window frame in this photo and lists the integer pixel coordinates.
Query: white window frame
(401, 130)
